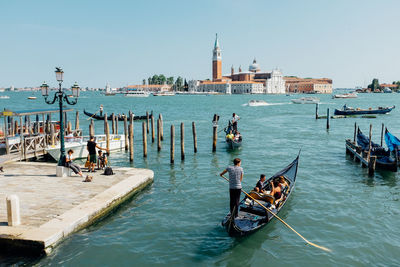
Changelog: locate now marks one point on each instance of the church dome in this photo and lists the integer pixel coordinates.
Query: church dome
(254, 67)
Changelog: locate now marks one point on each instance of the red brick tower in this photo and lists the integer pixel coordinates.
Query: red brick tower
(217, 63)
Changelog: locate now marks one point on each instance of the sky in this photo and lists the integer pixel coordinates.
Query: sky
(124, 42)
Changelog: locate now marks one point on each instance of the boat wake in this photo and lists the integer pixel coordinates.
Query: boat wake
(267, 104)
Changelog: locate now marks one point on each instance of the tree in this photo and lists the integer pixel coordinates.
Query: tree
(144, 81)
(162, 79)
(374, 85)
(186, 86)
(149, 80)
(178, 83)
(170, 80)
(154, 79)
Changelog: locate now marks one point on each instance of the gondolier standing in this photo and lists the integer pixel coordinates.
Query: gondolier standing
(235, 184)
(101, 110)
(235, 119)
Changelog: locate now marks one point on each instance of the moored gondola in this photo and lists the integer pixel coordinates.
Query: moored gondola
(347, 111)
(252, 216)
(120, 117)
(384, 161)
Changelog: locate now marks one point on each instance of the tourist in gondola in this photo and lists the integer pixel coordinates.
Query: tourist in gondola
(230, 135)
(235, 119)
(235, 184)
(284, 185)
(260, 184)
(276, 191)
(91, 147)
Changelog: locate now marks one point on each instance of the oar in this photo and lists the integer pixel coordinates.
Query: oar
(287, 225)
(92, 115)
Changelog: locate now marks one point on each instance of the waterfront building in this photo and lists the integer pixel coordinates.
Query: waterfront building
(253, 81)
(308, 85)
(150, 87)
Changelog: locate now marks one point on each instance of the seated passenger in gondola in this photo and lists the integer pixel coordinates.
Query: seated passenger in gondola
(237, 136)
(260, 184)
(284, 185)
(276, 191)
(230, 135)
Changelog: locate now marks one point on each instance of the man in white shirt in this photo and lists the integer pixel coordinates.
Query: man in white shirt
(235, 119)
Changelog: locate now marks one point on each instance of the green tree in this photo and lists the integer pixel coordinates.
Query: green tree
(170, 80)
(154, 79)
(162, 79)
(149, 80)
(178, 83)
(144, 81)
(374, 85)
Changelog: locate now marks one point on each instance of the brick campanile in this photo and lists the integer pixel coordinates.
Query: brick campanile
(217, 61)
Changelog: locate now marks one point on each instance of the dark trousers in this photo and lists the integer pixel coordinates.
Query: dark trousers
(234, 125)
(75, 168)
(234, 200)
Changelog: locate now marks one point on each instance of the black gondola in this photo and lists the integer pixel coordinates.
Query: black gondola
(252, 216)
(384, 160)
(120, 117)
(232, 142)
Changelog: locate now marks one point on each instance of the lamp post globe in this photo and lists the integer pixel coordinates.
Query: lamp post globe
(45, 89)
(59, 74)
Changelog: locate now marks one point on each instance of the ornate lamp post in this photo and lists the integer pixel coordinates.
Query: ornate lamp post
(60, 95)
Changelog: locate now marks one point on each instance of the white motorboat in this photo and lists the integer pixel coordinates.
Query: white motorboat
(4, 97)
(348, 95)
(256, 103)
(137, 94)
(32, 97)
(165, 93)
(306, 100)
(78, 145)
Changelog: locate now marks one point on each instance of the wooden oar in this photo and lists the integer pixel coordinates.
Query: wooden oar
(92, 115)
(282, 221)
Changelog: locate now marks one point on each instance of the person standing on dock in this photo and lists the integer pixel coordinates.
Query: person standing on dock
(91, 147)
(235, 184)
(235, 119)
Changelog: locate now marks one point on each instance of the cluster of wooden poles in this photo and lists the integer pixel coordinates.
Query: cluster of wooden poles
(148, 126)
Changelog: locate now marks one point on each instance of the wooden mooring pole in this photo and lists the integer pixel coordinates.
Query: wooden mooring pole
(158, 135)
(355, 133)
(144, 135)
(152, 129)
(107, 137)
(172, 150)
(316, 111)
(194, 137)
(215, 132)
(147, 121)
(369, 145)
(131, 151)
(77, 120)
(327, 119)
(105, 121)
(91, 128)
(113, 123)
(161, 127)
(182, 141)
(126, 133)
(382, 134)
(116, 124)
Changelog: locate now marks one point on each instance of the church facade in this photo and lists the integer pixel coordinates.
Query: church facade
(253, 81)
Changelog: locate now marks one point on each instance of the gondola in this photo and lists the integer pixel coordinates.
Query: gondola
(251, 216)
(120, 117)
(346, 111)
(393, 144)
(232, 143)
(384, 161)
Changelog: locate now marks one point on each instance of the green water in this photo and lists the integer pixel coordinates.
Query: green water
(176, 220)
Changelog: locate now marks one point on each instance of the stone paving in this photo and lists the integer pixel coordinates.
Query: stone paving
(42, 195)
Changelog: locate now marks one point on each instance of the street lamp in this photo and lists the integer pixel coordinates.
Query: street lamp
(61, 96)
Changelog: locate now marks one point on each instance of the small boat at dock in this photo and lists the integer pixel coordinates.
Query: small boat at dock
(252, 216)
(78, 145)
(306, 100)
(351, 111)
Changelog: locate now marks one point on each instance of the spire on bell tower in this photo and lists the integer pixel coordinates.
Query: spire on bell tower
(217, 61)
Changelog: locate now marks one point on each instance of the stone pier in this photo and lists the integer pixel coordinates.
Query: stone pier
(51, 208)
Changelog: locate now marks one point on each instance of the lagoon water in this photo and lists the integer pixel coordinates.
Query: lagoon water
(177, 220)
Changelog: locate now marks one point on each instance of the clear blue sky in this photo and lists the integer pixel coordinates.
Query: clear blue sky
(122, 42)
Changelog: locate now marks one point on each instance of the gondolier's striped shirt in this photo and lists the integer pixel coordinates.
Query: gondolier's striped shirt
(235, 172)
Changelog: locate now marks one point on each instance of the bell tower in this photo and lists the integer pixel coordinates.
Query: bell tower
(216, 61)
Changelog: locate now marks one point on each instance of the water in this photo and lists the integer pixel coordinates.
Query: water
(176, 221)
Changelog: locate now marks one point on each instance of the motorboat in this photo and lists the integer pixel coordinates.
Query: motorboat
(348, 95)
(165, 93)
(256, 103)
(306, 100)
(137, 94)
(4, 97)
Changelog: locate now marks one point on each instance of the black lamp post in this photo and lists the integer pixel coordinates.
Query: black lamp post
(61, 96)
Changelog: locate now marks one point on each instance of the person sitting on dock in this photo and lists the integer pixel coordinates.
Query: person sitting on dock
(102, 160)
(260, 184)
(91, 147)
(68, 163)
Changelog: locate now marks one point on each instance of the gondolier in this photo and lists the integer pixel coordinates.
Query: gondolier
(101, 110)
(235, 184)
(235, 119)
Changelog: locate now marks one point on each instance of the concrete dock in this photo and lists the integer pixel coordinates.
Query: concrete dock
(51, 208)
